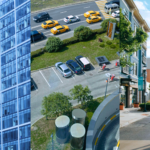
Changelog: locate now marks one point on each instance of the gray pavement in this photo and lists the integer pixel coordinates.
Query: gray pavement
(49, 80)
(108, 139)
(136, 136)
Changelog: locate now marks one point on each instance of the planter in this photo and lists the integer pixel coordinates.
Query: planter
(136, 105)
(121, 107)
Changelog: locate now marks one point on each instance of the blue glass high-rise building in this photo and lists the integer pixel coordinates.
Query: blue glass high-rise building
(15, 75)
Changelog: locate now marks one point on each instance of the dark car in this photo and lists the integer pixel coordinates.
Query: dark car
(35, 35)
(41, 17)
(83, 62)
(74, 66)
(113, 1)
(32, 84)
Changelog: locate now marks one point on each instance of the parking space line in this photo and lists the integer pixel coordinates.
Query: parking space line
(44, 78)
(57, 75)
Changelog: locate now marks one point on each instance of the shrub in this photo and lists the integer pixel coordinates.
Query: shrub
(37, 52)
(82, 33)
(109, 42)
(112, 46)
(70, 41)
(104, 24)
(147, 106)
(100, 40)
(98, 31)
(53, 44)
(102, 45)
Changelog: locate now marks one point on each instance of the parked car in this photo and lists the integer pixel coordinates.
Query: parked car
(63, 69)
(35, 35)
(59, 29)
(91, 13)
(83, 62)
(93, 19)
(112, 2)
(49, 24)
(71, 18)
(113, 7)
(116, 14)
(32, 84)
(74, 66)
(41, 17)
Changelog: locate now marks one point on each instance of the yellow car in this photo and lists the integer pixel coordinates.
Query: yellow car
(93, 19)
(91, 13)
(59, 29)
(49, 24)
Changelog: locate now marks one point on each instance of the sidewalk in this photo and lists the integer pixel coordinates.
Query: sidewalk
(130, 115)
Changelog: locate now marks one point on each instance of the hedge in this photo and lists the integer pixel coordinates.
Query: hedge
(98, 31)
(102, 45)
(70, 41)
(109, 42)
(37, 52)
(147, 106)
(113, 46)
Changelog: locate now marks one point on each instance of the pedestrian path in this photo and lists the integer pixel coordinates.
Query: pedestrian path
(101, 5)
(130, 115)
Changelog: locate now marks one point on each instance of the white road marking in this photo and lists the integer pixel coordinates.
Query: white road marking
(107, 74)
(57, 75)
(44, 78)
(87, 7)
(63, 12)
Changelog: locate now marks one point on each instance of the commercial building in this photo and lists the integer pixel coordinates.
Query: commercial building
(131, 91)
(15, 74)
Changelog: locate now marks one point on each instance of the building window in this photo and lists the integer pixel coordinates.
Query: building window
(25, 144)
(24, 132)
(130, 16)
(24, 116)
(125, 13)
(135, 69)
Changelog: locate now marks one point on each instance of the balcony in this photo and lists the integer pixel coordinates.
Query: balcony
(144, 45)
(125, 69)
(144, 59)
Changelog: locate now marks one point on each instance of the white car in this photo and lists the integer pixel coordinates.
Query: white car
(116, 14)
(71, 18)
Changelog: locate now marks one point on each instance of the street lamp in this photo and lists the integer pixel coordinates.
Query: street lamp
(144, 69)
(106, 87)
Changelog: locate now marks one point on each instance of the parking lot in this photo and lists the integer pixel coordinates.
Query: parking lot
(50, 80)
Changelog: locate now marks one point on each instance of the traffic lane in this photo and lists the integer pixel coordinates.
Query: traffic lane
(107, 140)
(57, 14)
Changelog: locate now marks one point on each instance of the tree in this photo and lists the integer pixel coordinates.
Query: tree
(129, 41)
(53, 44)
(105, 23)
(81, 94)
(55, 104)
(82, 33)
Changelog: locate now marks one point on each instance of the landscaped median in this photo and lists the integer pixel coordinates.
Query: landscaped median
(86, 42)
(41, 131)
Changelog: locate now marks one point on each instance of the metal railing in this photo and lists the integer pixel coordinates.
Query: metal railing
(125, 69)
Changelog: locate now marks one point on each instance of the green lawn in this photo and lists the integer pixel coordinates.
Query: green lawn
(43, 4)
(90, 49)
(44, 128)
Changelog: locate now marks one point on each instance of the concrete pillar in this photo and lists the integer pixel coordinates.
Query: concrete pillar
(137, 96)
(140, 96)
(128, 97)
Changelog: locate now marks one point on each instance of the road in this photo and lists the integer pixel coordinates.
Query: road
(49, 81)
(59, 14)
(136, 136)
(109, 138)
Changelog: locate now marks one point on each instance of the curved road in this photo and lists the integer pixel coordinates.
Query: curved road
(108, 140)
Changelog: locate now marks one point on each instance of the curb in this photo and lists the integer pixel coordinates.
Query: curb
(70, 4)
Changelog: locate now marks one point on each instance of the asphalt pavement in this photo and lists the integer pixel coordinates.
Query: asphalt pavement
(109, 138)
(59, 14)
(49, 80)
(136, 136)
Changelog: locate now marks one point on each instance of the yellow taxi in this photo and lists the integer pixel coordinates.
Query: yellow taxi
(91, 13)
(59, 29)
(93, 19)
(49, 24)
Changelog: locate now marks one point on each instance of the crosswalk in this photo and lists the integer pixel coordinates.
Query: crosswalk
(101, 5)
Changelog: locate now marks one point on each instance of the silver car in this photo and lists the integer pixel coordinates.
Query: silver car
(71, 18)
(63, 69)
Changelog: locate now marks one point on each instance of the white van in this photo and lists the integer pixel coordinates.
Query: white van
(114, 7)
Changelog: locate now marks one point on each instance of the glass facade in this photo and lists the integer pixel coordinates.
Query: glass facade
(15, 75)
